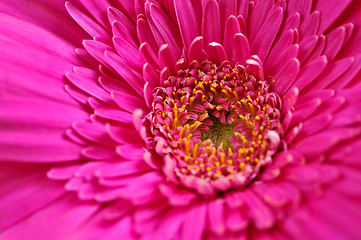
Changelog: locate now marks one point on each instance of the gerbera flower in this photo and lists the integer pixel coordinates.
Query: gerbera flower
(161, 119)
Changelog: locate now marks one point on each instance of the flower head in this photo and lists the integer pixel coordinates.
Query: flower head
(181, 119)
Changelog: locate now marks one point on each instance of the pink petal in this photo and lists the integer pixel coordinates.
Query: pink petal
(187, 22)
(211, 29)
(231, 29)
(267, 33)
(241, 48)
(195, 216)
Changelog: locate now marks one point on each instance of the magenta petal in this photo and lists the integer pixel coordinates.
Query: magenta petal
(216, 52)
(310, 72)
(258, 16)
(128, 102)
(267, 33)
(195, 215)
(25, 137)
(241, 48)
(286, 76)
(167, 29)
(334, 42)
(211, 29)
(216, 216)
(231, 29)
(87, 80)
(302, 7)
(97, 10)
(87, 23)
(145, 34)
(196, 51)
(187, 22)
(146, 55)
(310, 25)
(330, 11)
(28, 195)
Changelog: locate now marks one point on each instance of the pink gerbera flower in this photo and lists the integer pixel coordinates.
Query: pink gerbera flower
(169, 119)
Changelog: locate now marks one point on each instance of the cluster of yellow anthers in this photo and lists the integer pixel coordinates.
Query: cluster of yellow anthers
(217, 121)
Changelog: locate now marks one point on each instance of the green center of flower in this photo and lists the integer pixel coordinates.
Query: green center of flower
(219, 123)
(219, 133)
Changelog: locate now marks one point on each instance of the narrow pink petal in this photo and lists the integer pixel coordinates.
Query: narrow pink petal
(127, 7)
(310, 72)
(216, 216)
(122, 26)
(153, 27)
(45, 16)
(39, 38)
(226, 9)
(211, 29)
(131, 152)
(329, 12)
(99, 152)
(331, 73)
(146, 55)
(29, 195)
(307, 45)
(261, 214)
(98, 10)
(70, 215)
(216, 52)
(177, 196)
(318, 49)
(97, 49)
(35, 130)
(63, 172)
(243, 9)
(187, 22)
(121, 169)
(334, 42)
(292, 22)
(258, 16)
(281, 61)
(302, 7)
(128, 102)
(231, 29)
(243, 25)
(310, 25)
(146, 213)
(167, 58)
(236, 219)
(305, 110)
(195, 216)
(151, 81)
(167, 29)
(89, 25)
(132, 77)
(128, 54)
(146, 35)
(311, 126)
(286, 76)
(116, 85)
(289, 99)
(348, 76)
(113, 114)
(93, 132)
(123, 134)
(87, 80)
(196, 50)
(170, 223)
(324, 141)
(241, 48)
(267, 33)
(285, 41)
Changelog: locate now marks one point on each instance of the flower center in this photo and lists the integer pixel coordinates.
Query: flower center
(216, 126)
